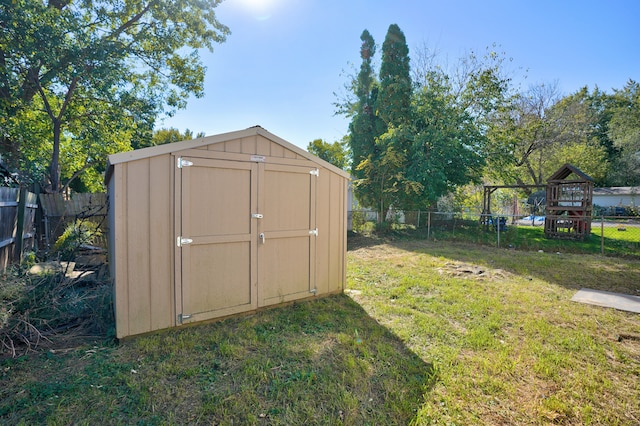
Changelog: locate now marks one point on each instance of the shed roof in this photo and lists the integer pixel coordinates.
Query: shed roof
(567, 169)
(139, 154)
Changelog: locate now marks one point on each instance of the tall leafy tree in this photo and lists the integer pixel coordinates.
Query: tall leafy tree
(453, 112)
(522, 135)
(335, 153)
(624, 132)
(91, 68)
(446, 150)
(544, 131)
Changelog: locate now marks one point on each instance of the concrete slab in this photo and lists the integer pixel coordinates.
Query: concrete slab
(623, 302)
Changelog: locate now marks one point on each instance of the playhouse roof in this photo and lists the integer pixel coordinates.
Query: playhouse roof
(563, 172)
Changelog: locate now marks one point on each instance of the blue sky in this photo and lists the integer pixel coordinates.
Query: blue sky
(286, 59)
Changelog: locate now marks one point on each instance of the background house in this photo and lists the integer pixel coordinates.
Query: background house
(620, 196)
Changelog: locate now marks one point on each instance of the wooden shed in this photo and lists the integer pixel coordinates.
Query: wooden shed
(225, 224)
(569, 204)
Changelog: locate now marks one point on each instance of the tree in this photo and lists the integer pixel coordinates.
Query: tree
(544, 131)
(394, 100)
(624, 132)
(446, 150)
(421, 140)
(164, 136)
(93, 68)
(521, 136)
(365, 126)
(335, 153)
(384, 184)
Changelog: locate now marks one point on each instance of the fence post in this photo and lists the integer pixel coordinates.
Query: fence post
(418, 224)
(22, 207)
(498, 228)
(429, 225)
(602, 235)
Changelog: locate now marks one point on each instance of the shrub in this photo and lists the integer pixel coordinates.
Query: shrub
(77, 234)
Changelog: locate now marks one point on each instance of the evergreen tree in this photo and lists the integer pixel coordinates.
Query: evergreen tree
(393, 107)
(394, 99)
(363, 127)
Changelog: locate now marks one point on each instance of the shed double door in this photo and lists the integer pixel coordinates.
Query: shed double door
(246, 236)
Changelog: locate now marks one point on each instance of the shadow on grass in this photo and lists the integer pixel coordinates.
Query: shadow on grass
(570, 270)
(319, 362)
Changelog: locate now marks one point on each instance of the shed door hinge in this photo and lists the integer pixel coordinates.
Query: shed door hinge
(183, 317)
(182, 241)
(184, 163)
(314, 232)
(314, 172)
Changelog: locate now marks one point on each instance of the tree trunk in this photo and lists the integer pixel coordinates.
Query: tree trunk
(54, 169)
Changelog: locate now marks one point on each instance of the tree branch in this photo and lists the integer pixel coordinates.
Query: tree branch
(67, 97)
(75, 175)
(47, 105)
(58, 4)
(115, 34)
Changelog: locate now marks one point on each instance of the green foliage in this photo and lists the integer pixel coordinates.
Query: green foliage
(393, 103)
(624, 131)
(92, 76)
(377, 138)
(542, 131)
(75, 235)
(164, 136)
(335, 153)
(412, 143)
(446, 147)
(415, 144)
(359, 222)
(365, 125)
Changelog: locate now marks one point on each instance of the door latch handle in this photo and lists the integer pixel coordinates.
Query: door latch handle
(262, 238)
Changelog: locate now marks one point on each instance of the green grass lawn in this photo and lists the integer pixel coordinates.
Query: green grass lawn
(505, 341)
(427, 333)
(611, 240)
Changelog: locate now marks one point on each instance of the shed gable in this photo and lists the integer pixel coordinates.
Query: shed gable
(256, 145)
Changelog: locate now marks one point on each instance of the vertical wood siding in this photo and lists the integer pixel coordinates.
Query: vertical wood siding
(144, 260)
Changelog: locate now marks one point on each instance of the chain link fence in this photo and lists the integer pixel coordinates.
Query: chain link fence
(610, 235)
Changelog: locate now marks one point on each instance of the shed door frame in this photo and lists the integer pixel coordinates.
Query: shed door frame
(302, 235)
(259, 247)
(186, 249)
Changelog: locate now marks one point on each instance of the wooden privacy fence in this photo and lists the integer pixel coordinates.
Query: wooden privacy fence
(60, 212)
(17, 224)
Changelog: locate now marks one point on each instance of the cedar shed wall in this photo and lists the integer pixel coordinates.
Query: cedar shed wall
(261, 229)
